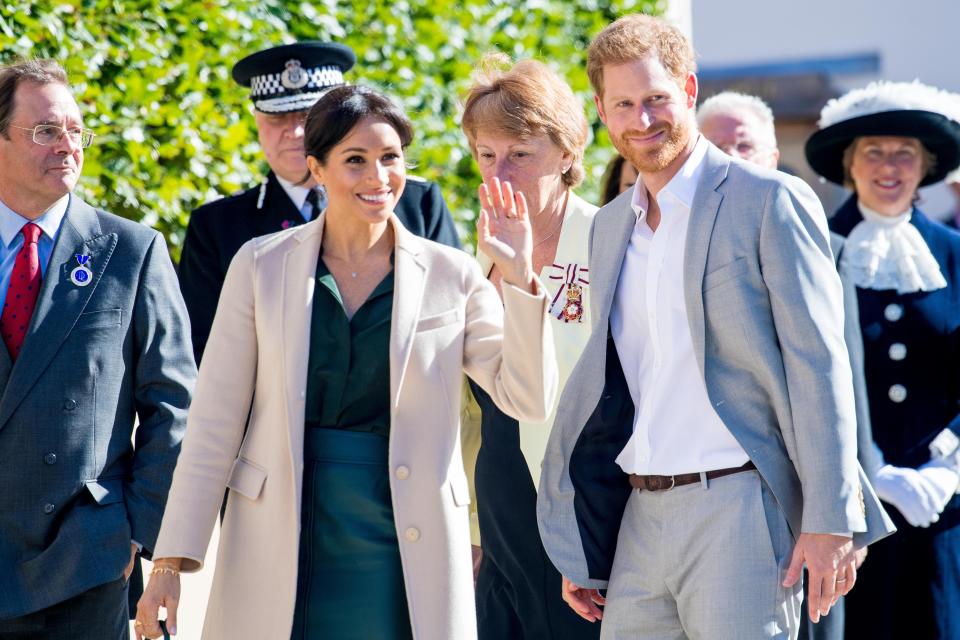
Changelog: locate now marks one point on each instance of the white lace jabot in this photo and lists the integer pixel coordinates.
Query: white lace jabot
(887, 252)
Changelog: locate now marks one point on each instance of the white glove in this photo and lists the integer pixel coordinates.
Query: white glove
(911, 493)
(942, 476)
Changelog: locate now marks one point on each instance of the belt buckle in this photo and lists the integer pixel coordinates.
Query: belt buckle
(661, 486)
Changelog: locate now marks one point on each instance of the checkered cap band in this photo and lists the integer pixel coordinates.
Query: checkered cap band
(269, 85)
(283, 104)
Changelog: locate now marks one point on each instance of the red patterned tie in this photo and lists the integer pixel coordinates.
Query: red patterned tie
(22, 292)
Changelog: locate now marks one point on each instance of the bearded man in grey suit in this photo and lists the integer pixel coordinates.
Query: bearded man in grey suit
(704, 449)
(94, 334)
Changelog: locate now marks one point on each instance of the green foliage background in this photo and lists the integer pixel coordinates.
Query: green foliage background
(174, 131)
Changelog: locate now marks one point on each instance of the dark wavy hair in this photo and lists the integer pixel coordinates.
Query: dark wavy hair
(610, 183)
(335, 115)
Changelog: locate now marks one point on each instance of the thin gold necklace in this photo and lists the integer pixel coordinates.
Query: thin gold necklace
(550, 235)
(559, 224)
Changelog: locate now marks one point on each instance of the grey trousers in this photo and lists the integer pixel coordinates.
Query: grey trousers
(703, 561)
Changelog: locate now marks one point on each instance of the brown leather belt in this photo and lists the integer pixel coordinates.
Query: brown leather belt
(663, 483)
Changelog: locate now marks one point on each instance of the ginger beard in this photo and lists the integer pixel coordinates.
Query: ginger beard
(656, 156)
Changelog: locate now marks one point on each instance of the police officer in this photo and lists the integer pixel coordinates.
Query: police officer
(284, 83)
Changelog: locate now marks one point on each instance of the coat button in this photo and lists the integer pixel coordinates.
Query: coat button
(48, 508)
(403, 472)
(412, 534)
(50, 458)
(69, 404)
(898, 351)
(893, 312)
(898, 393)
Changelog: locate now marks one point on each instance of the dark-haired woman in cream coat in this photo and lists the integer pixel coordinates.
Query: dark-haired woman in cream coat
(267, 411)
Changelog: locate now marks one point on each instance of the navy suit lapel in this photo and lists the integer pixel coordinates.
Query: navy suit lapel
(61, 302)
(5, 366)
(703, 216)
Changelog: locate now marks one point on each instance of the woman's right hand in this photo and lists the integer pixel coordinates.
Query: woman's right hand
(504, 233)
(163, 590)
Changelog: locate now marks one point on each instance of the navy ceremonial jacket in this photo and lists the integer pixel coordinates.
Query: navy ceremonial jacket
(911, 349)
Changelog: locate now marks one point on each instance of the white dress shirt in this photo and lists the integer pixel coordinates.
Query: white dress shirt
(675, 428)
(298, 194)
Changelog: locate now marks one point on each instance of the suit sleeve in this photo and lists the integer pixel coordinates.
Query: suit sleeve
(437, 218)
(867, 452)
(218, 417)
(201, 279)
(508, 347)
(807, 304)
(164, 375)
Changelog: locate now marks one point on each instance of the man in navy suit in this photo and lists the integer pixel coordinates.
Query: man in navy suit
(284, 83)
(95, 334)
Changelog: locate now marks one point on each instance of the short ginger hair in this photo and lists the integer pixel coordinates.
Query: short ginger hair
(634, 37)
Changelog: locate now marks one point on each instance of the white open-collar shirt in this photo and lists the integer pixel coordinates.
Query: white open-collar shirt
(675, 428)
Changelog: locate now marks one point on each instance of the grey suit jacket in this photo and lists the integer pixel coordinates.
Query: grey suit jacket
(867, 452)
(76, 490)
(765, 310)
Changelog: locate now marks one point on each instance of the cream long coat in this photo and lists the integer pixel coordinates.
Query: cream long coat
(446, 319)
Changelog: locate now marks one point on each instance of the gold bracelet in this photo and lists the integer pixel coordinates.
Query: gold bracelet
(161, 570)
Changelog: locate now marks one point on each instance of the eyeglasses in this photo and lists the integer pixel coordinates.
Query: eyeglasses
(47, 134)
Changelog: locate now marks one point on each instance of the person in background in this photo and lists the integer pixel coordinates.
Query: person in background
(953, 183)
(619, 176)
(525, 126)
(96, 339)
(704, 448)
(742, 126)
(284, 83)
(328, 404)
(884, 142)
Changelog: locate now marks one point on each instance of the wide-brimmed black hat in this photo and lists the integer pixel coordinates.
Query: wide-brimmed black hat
(903, 109)
(292, 77)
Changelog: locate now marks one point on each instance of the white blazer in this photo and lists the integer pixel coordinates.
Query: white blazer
(447, 319)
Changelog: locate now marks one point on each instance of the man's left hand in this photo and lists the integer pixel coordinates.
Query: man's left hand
(133, 558)
(831, 568)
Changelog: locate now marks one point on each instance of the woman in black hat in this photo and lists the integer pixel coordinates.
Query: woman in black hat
(884, 142)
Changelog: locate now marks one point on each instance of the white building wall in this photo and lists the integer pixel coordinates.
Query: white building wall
(914, 39)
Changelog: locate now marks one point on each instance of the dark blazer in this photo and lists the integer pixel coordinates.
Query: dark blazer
(927, 325)
(218, 229)
(909, 585)
(76, 491)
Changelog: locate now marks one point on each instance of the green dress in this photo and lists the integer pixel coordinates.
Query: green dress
(350, 580)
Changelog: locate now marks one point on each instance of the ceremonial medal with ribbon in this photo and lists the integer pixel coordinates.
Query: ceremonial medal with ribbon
(574, 279)
(81, 274)
(573, 309)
